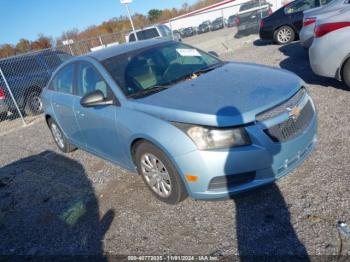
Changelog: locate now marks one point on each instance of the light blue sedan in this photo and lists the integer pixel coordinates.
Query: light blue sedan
(189, 123)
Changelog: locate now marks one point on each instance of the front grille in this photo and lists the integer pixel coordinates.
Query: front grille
(226, 182)
(278, 110)
(292, 127)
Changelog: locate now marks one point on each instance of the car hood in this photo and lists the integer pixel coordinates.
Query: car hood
(230, 95)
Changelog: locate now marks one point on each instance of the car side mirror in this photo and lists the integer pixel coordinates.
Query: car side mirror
(213, 53)
(95, 98)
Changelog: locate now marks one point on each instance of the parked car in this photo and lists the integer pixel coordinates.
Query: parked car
(26, 76)
(218, 23)
(154, 31)
(231, 21)
(310, 17)
(283, 26)
(189, 31)
(330, 50)
(157, 107)
(250, 14)
(204, 27)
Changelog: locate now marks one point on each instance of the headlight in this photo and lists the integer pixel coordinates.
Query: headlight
(211, 137)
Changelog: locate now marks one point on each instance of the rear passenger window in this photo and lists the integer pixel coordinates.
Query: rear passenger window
(144, 34)
(63, 81)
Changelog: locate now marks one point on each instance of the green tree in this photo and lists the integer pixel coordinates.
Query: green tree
(154, 14)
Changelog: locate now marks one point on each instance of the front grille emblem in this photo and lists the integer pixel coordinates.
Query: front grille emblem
(294, 112)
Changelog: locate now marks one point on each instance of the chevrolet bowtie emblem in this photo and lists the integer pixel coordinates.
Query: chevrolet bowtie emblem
(294, 112)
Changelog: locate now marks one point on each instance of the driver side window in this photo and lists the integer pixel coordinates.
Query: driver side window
(89, 80)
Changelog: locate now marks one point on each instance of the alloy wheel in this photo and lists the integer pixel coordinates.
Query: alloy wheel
(36, 103)
(156, 175)
(57, 135)
(284, 35)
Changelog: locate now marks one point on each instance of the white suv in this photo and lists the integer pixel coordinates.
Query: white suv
(155, 31)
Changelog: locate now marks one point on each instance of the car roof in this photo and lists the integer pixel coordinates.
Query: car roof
(340, 15)
(30, 55)
(331, 6)
(124, 48)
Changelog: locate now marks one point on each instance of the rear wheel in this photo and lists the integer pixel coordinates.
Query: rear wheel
(284, 35)
(346, 73)
(34, 105)
(59, 137)
(159, 174)
(3, 116)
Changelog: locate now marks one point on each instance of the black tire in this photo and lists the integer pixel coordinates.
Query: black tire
(64, 146)
(3, 116)
(289, 35)
(178, 191)
(34, 105)
(346, 73)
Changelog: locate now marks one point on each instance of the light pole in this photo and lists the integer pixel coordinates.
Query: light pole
(126, 2)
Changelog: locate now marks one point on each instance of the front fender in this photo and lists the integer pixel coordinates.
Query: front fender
(134, 125)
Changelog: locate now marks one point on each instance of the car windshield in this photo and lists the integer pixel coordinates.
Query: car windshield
(145, 71)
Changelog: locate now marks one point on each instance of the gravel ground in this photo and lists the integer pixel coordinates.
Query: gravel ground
(52, 203)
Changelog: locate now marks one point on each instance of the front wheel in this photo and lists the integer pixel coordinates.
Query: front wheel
(284, 35)
(159, 174)
(34, 104)
(346, 73)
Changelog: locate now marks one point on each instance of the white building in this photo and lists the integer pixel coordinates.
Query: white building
(224, 9)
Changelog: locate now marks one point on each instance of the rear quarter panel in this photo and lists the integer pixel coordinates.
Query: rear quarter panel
(341, 40)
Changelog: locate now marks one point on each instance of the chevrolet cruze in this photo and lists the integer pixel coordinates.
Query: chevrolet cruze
(186, 121)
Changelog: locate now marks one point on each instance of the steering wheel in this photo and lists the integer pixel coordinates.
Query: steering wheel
(133, 85)
(172, 70)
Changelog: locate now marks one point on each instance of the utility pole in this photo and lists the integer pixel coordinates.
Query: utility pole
(126, 2)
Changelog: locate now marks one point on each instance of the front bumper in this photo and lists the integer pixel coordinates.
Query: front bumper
(217, 27)
(267, 160)
(248, 26)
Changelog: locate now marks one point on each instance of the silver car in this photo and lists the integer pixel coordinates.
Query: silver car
(311, 16)
(330, 51)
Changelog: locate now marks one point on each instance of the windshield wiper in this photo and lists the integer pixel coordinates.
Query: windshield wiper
(148, 91)
(207, 69)
(158, 88)
(198, 72)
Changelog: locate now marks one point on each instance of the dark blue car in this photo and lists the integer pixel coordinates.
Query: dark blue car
(26, 76)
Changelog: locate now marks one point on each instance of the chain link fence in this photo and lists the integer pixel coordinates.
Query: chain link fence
(23, 77)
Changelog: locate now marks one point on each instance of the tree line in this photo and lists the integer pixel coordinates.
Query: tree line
(119, 24)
